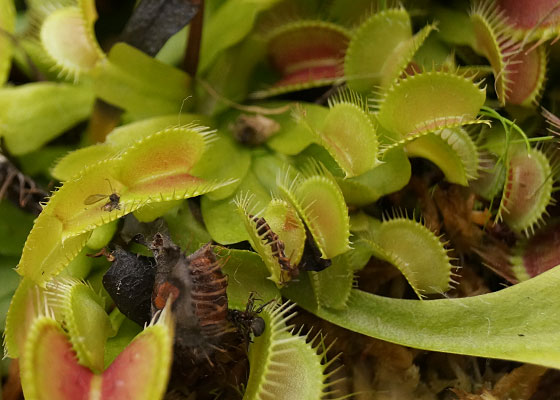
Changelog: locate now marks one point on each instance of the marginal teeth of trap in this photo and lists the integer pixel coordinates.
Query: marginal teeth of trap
(285, 365)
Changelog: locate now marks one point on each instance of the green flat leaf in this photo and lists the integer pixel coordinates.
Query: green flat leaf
(390, 176)
(139, 84)
(27, 122)
(101, 236)
(39, 162)
(246, 273)
(213, 167)
(231, 75)
(116, 344)
(294, 136)
(10, 281)
(7, 25)
(185, 230)
(152, 211)
(501, 325)
(224, 224)
(228, 26)
(332, 286)
(454, 26)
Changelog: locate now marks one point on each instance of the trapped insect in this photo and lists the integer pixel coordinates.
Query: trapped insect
(248, 321)
(112, 204)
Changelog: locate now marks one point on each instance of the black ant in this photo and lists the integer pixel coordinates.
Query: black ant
(248, 321)
(112, 204)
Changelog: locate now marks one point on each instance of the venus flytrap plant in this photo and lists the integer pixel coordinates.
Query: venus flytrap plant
(23, 113)
(135, 186)
(298, 196)
(457, 103)
(71, 300)
(519, 67)
(452, 150)
(537, 254)
(277, 235)
(539, 21)
(348, 134)
(527, 72)
(372, 44)
(140, 371)
(285, 365)
(76, 57)
(119, 140)
(306, 53)
(527, 190)
(320, 204)
(392, 173)
(428, 270)
(294, 136)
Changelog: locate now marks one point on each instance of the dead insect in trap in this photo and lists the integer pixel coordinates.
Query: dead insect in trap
(112, 204)
(248, 322)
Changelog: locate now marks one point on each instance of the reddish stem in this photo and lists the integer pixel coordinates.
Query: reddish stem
(190, 62)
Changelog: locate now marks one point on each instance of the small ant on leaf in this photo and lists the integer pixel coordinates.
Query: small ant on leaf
(112, 204)
(248, 321)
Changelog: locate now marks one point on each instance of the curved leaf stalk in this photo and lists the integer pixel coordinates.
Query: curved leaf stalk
(478, 325)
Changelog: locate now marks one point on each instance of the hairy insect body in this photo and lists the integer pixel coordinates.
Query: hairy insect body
(248, 322)
(197, 289)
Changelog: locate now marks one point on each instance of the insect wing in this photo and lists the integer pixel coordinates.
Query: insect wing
(94, 198)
